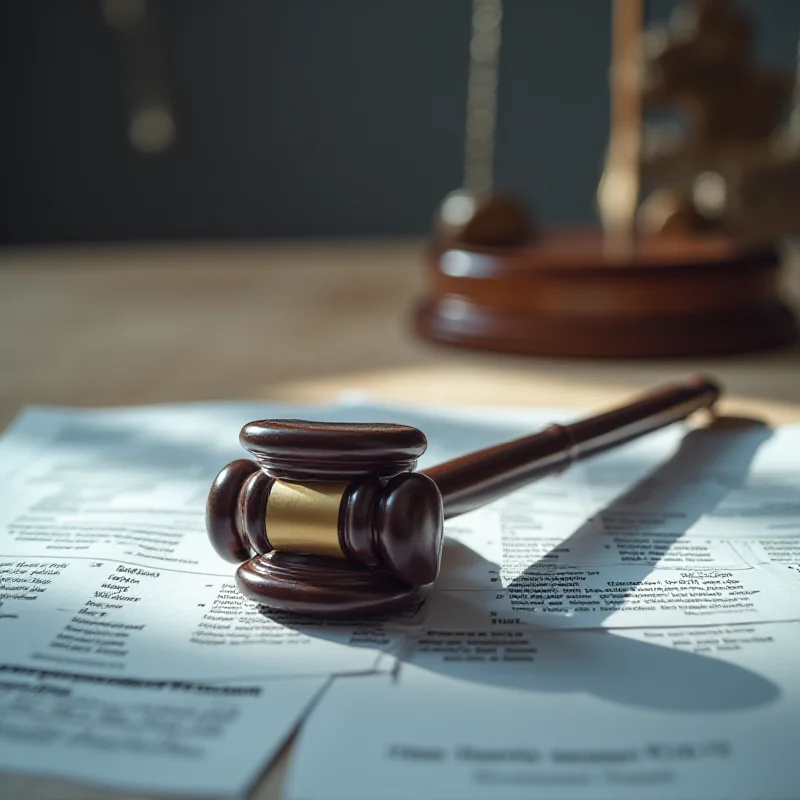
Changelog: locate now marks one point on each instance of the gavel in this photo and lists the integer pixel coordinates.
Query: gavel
(330, 519)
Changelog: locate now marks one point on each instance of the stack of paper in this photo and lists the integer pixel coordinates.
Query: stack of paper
(628, 629)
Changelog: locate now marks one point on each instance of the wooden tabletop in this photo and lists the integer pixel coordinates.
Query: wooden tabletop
(125, 325)
(107, 326)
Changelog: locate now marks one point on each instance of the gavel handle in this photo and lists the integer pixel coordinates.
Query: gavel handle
(471, 481)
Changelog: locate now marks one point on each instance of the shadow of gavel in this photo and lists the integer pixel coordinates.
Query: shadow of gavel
(331, 520)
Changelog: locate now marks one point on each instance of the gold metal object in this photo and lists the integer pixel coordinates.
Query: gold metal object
(618, 193)
(304, 517)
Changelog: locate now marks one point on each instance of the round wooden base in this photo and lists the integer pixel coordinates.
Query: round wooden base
(572, 294)
(323, 587)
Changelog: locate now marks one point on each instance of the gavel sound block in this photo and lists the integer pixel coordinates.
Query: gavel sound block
(331, 520)
(569, 293)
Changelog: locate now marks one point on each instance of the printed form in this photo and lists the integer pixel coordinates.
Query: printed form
(627, 630)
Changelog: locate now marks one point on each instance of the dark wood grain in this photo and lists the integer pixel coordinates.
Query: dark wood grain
(409, 528)
(473, 480)
(357, 528)
(323, 587)
(222, 510)
(301, 450)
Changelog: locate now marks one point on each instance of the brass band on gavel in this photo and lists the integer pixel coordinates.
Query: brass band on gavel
(304, 518)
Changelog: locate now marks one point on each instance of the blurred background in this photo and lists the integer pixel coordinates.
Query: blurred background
(126, 119)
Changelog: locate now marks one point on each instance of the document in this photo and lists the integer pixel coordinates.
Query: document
(629, 629)
(710, 712)
(199, 738)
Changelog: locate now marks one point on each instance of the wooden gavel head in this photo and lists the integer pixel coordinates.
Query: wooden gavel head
(327, 502)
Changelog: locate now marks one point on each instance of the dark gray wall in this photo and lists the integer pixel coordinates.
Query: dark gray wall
(303, 117)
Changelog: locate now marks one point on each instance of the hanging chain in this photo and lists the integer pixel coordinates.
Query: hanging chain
(484, 62)
(794, 119)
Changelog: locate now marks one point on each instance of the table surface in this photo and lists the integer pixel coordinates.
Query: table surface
(294, 321)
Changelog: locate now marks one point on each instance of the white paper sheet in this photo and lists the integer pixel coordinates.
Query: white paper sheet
(675, 714)
(626, 630)
(192, 738)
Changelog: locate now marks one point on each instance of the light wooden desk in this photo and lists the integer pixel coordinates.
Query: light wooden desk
(301, 322)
